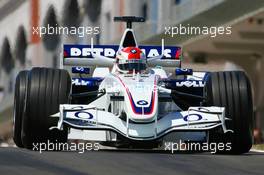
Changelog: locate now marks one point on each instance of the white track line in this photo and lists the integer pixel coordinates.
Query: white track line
(257, 151)
(4, 145)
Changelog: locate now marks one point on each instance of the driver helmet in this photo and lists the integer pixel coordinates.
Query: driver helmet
(131, 59)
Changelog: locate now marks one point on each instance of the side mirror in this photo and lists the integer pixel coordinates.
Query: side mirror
(182, 71)
(81, 70)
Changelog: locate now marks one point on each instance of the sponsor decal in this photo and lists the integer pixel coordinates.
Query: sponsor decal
(190, 84)
(142, 102)
(84, 51)
(192, 117)
(86, 81)
(80, 82)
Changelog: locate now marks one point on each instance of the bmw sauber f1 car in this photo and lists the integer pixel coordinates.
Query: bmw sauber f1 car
(131, 96)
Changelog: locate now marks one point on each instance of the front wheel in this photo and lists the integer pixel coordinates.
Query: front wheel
(232, 90)
(47, 89)
(19, 105)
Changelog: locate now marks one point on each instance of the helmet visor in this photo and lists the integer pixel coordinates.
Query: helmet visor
(134, 64)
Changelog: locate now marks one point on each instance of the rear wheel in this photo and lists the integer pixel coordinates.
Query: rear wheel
(232, 90)
(19, 104)
(47, 89)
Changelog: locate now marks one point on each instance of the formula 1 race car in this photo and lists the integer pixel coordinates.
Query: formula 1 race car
(128, 96)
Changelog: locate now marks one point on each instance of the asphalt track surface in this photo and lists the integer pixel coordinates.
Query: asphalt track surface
(17, 161)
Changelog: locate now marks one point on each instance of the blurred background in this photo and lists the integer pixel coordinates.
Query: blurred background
(242, 50)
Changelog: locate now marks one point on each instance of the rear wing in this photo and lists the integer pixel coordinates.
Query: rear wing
(80, 55)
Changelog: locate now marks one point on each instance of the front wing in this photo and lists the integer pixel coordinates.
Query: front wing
(87, 117)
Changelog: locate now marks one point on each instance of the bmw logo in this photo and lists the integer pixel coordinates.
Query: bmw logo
(142, 102)
(133, 51)
(192, 117)
(83, 115)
